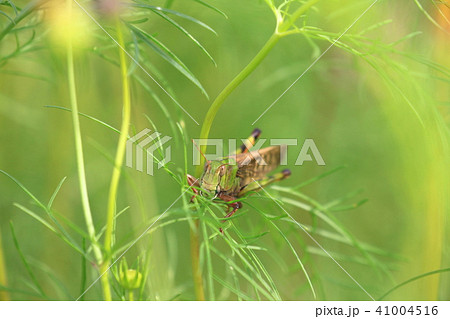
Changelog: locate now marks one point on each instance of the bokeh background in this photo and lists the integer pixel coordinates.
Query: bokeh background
(382, 115)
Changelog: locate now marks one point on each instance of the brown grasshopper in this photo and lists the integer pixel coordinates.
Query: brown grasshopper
(236, 175)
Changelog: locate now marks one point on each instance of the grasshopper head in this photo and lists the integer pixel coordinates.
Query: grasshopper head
(210, 180)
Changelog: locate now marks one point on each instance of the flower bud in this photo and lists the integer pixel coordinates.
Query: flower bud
(129, 278)
(67, 23)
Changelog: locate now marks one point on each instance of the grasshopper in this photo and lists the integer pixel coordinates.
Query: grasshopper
(238, 174)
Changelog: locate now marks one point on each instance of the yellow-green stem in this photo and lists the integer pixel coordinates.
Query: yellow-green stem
(217, 103)
(280, 31)
(281, 28)
(79, 145)
(118, 160)
(207, 123)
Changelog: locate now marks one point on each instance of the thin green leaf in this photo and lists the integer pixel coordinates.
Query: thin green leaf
(137, 21)
(26, 75)
(341, 199)
(16, 12)
(50, 202)
(167, 55)
(185, 32)
(176, 13)
(68, 240)
(25, 190)
(411, 280)
(25, 262)
(37, 217)
(85, 115)
(318, 177)
(62, 232)
(58, 284)
(242, 273)
(335, 224)
(349, 207)
(124, 247)
(375, 26)
(337, 237)
(20, 291)
(7, 16)
(72, 225)
(429, 17)
(337, 256)
(116, 216)
(255, 237)
(248, 258)
(406, 37)
(212, 8)
(237, 292)
(291, 247)
(136, 57)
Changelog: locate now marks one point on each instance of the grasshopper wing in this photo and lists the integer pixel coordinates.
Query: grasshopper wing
(256, 164)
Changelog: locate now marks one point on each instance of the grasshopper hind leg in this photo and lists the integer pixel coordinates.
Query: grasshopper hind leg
(256, 185)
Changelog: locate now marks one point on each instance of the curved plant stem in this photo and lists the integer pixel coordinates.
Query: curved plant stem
(207, 123)
(217, 103)
(117, 162)
(282, 29)
(79, 146)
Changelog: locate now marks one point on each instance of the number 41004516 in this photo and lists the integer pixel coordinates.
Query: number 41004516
(405, 310)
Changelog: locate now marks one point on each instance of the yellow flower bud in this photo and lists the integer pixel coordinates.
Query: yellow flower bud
(130, 279)
(66, 21)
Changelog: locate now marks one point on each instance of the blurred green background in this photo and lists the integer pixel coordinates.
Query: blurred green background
(382, 115)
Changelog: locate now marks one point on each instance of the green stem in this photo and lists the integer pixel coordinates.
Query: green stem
(207, 123)
(217, 103)
(79, 147)
(118, 160)
(280, 31)
(195, 259)
(281, 28)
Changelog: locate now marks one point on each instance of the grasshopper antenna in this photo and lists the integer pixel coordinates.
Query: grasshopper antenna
(207, 161)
